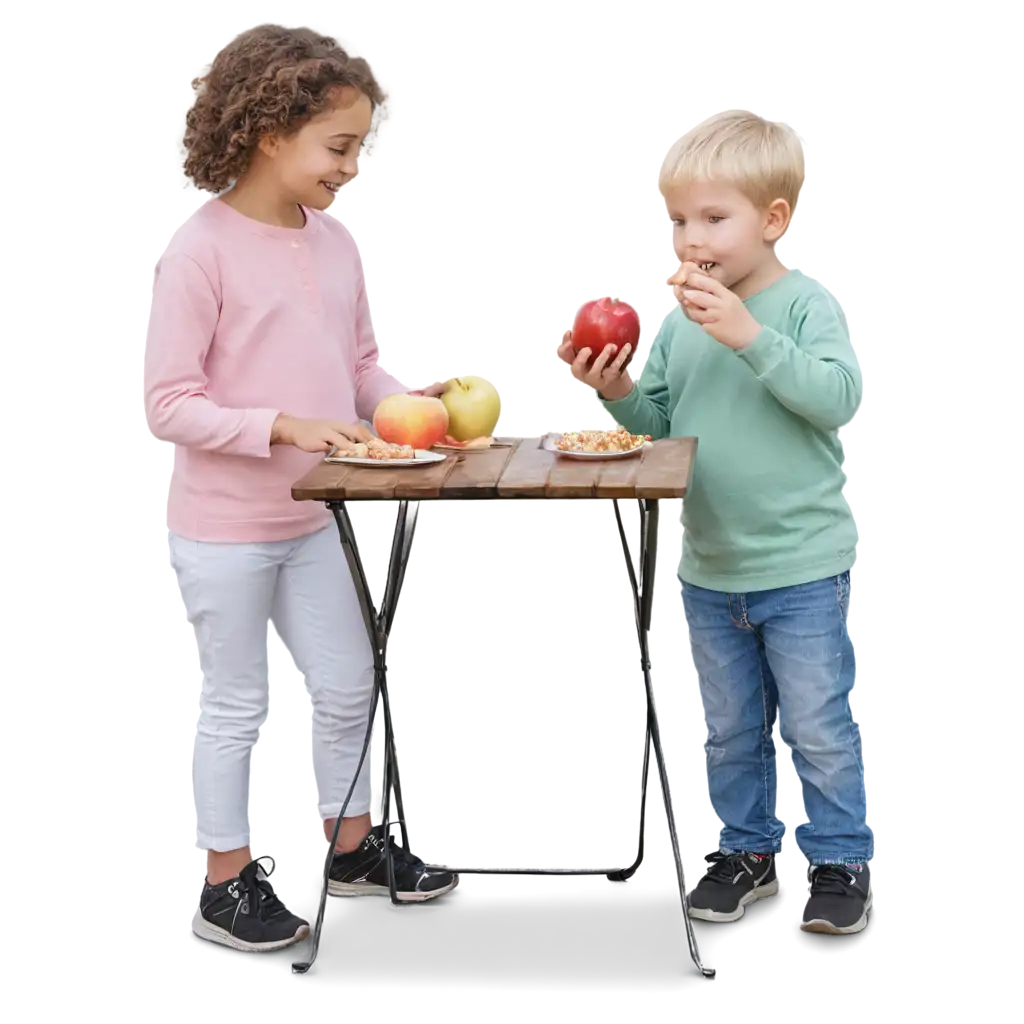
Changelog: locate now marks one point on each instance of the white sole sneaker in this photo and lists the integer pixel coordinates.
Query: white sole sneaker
(212, 933)
(720, 917)
(370, 889)
(822, 927)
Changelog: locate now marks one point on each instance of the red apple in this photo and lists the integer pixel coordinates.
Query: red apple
(605, 322)
(414, 420)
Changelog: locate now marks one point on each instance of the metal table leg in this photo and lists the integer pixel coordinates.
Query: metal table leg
(643, 598)
(635, 572)
(378, 627)
(379, 623)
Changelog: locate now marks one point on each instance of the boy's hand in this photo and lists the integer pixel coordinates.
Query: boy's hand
(611, 380)
(678, 279)
(317, 435)
(709, 303)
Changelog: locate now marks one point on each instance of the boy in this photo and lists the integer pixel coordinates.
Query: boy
(756, 363)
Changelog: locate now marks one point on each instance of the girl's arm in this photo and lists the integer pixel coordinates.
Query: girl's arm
(182, 322)
(373, 383)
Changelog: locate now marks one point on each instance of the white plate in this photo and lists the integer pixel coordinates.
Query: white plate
(549, 445)
(423, 458)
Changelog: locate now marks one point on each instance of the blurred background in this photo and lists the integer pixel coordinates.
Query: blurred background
(512, 173)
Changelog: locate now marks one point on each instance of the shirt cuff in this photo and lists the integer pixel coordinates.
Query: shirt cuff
(625, 405)
(256, 433)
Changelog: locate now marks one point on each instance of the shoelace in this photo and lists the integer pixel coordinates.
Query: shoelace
(725, 866)
(263, 901)
(831, 878)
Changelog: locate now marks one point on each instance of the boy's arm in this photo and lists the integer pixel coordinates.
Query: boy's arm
(815, 373)
(645, 410)
(182, 321)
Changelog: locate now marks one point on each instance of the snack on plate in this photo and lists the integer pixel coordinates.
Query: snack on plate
(375, 448)
(595, 441)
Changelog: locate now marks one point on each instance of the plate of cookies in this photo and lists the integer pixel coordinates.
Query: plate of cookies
(378, 454)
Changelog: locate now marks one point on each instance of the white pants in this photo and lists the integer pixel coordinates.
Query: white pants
(231, 592)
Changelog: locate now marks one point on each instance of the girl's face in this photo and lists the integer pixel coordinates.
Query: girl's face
(311, 165)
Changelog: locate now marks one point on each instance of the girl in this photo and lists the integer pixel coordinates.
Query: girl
(260, 356)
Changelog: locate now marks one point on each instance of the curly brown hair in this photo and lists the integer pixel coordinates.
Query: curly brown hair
(268, 80)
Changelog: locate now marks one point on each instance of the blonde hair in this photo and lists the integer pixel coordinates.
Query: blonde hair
(763, 159)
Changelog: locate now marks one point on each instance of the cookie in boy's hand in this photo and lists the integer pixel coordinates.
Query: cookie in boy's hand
(679, 277)
(678, 280)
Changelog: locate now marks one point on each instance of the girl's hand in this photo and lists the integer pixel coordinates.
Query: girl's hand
(433, 390)
(317, 435)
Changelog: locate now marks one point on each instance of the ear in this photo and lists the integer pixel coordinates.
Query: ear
(776, 220)
(269, 145)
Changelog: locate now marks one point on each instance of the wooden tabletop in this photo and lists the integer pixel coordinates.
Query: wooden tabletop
(523, 469)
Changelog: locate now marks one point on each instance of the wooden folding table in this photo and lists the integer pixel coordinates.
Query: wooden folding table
(521, 469)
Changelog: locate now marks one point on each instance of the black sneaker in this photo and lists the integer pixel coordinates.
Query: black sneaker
(840, 899)
(732, 883)
(244, 913)
(364, 872)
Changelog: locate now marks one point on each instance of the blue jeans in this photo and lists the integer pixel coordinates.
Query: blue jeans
(784, 652)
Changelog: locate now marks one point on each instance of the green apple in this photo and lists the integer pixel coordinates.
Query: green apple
(473, 407)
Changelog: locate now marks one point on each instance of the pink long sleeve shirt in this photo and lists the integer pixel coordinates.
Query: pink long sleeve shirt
(249, 320)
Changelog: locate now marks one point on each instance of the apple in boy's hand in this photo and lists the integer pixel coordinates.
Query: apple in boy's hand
(605, 322)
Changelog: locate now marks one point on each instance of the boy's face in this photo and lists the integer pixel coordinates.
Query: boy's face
(718, 227)
(316, 161)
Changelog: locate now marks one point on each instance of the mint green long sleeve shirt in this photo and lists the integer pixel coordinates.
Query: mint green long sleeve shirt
(765, 508)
